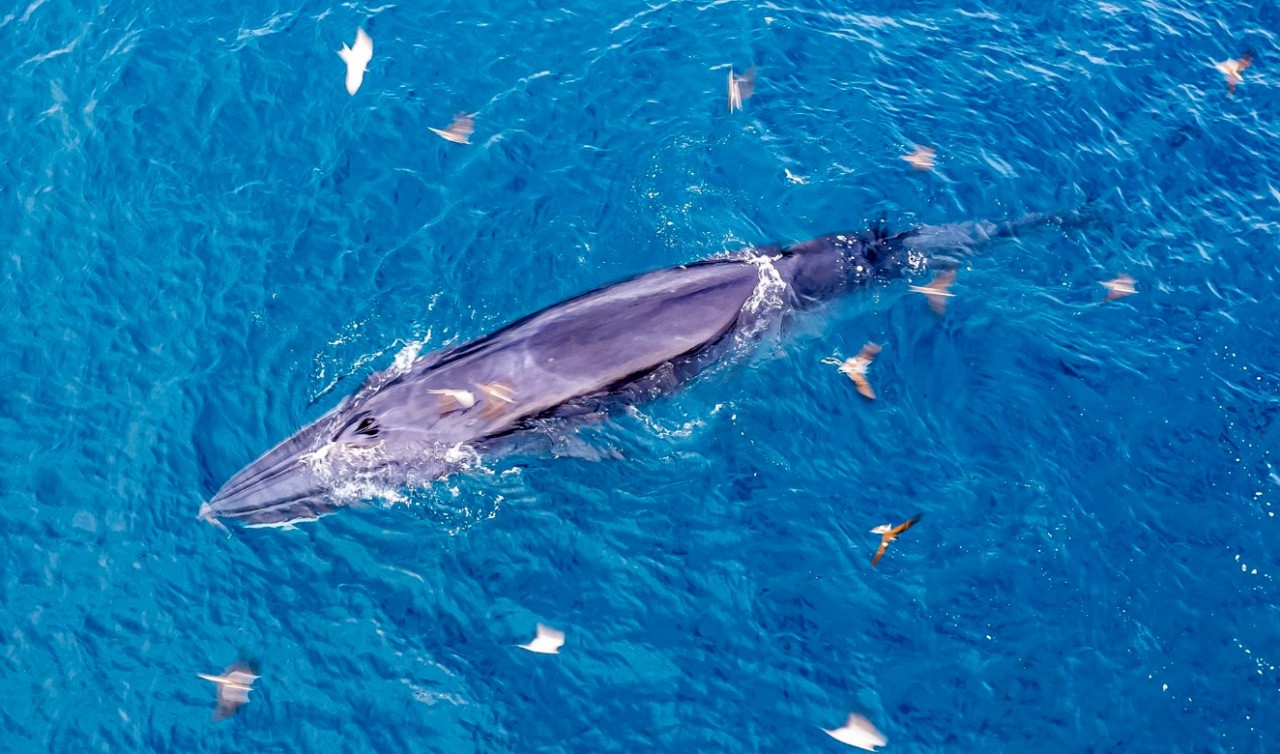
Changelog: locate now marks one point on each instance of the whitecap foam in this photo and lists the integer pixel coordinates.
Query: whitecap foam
(405, 358)
(683, 431)
(763, 307)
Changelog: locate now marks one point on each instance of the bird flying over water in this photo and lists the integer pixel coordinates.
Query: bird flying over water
(938, 291)
(741, 88)
(459, 131)
(1232, 69)
(547, 642)
(921, 159)
(1119, 287)
(858, 732)
(856, 368)
(356, 57)
(888, 534)
(233, 689)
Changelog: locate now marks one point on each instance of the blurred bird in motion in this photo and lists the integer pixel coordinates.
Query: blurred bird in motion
(888, 534)
(1119, 287)
(1233, 69)
(498, 396)
(856, 368)
(922, 158)
(741, 88)
(233, 688)
(459, 131)
(938, 291)
(357, 57)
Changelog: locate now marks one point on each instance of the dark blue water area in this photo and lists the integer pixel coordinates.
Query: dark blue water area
(205, 243)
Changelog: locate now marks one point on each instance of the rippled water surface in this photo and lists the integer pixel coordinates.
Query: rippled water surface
(206, 243)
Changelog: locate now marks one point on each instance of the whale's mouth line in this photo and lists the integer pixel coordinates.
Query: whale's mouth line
(253, 516)
(266, 476)
(276, 490)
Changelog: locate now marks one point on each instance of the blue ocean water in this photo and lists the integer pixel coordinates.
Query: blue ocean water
(207, 242)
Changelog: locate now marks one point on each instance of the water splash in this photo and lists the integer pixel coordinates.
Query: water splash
(762, 311)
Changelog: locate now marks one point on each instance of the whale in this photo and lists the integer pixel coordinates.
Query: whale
(579, 360)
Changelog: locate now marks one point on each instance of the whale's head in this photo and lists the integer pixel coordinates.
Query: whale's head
(357, 451)
(292, 482)
(395, 432)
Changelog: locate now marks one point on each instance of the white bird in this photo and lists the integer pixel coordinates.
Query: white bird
(356, 57)
(938, 291)
(1233, 70)
(459, 131)
(923, 158)
(741, 88)
(233, 689)
(497, 396)
(452, 400)
(858, 732)
(547, 642)
(855, 368)
(1120, 287)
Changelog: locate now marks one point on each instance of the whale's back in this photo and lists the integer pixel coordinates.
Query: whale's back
(583, 347)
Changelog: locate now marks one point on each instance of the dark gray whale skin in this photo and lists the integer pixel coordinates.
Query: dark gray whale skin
(623, 343)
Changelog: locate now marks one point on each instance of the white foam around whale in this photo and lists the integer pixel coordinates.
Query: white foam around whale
(763, 308)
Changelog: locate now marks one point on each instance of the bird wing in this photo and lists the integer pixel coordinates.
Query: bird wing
(856, 368)
(938, 301)
(224, 710)
(884, 545)
(747, 83)
(447, 135)
(1119, 288)
(940, 290)
(362, 50)
(463, 124)
(904, 525)
(864, 386)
